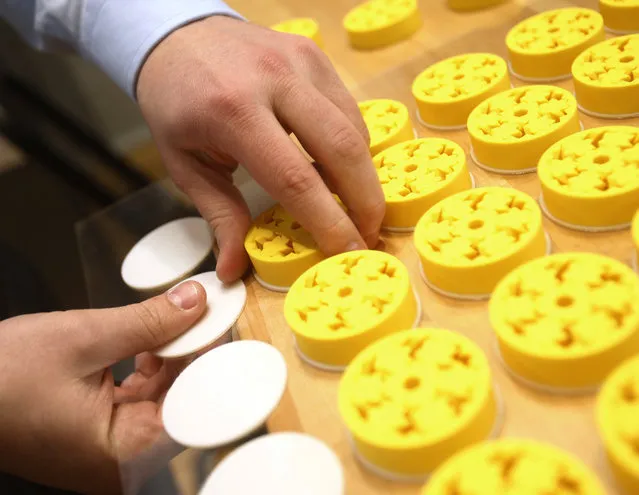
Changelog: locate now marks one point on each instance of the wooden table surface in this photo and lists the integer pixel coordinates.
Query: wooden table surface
(310, 402)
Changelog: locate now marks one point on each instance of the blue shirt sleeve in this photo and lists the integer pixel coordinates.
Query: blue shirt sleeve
(117, 35)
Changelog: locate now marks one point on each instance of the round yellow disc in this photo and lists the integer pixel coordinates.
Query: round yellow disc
(378, 23)
(388, 123)
(469, 241)
(566, 320)
(464, 5)
(344, 303)
(512, 466)
(617, 412)
(620, 16)
(591, 179)
(413, 399)
(447, 91)
(510, 131)
(607, 78)
(417, 174)
(279, 248)
(544, 46)
(302, 26)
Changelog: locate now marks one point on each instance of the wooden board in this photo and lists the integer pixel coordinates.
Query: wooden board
(310, 403)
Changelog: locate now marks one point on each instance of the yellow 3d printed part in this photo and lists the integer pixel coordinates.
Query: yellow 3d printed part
(469, 241)
(510, 131)
(388, 123)
(635, 240)
(617, 412)
(413, 399)
(378, 23)
(590, 180)
(303, 27)
(464, 5)
(447, 91)
(417, 174)
(515, 467)
(280, 249)
(620, 16)
(607, 78)
(543, 47)
(344, 303)
(565, 321)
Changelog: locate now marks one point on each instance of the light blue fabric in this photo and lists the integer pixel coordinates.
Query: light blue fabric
(115, 34)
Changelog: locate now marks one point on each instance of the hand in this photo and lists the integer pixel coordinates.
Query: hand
(63, 422)
(221, 91)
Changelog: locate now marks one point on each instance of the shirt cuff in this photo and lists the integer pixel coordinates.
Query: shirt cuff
(118, 36)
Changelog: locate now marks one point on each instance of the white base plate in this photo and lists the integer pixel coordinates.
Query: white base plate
(580, 228)
(278, 464)
(607, 116)
(224, 305)
(537, 80)
(266, 285)
(225, 394)
(439, 127)
(618, 32)
(340, 368)
(401, 478)
(499, 170)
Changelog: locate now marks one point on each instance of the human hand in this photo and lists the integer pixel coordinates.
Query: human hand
(221, 91)
(63, 422)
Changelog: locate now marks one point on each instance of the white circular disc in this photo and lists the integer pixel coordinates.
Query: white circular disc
(224, 304)
(167, 254)
(278, 464)
(225, 394)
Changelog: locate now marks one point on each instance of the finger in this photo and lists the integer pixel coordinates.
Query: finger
(221, 204)
(103, 337)
(331, 138)
(281, 169)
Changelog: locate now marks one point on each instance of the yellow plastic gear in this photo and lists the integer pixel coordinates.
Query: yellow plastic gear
(447, 91)
(464, 5)
(566, 320)
(379, 23)
(302, 26)
(413, 399)
(591, 179)
(469, 241)
(417, 174)
(617, 411)
(388, 123)
(279, 248)
(620, 16)
(513, 467)
(511, 130)
(635, 238)
(543, 47)
(344, 303)
(607, 78)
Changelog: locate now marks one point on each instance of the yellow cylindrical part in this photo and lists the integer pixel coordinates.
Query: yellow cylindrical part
(466, 5)
(413, 399)
(302, 26)
(388, 123)
(620, 16)
(418, 173)
(448, 91)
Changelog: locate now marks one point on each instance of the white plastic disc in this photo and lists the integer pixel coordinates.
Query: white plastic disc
(278, 464)
(224, 304)
(167, 254)
(225, 394)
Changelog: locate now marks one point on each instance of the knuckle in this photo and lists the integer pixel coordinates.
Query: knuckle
(307, 49)
(229, 103)
(347, 143)
(274, 63)
(295, 182)
(150, 323)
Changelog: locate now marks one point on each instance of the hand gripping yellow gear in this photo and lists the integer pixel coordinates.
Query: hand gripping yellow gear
(512, 466)
(280, 249)
(543, 47)
(303, 27)
(607, 78)
(417, 174)
(413, 399)
(617, 413)
(510, 131)
(620, 16)
(344, 303)
(464, 5)
(469, 241)
(565, 321)
(378, 23)
(447, 91)
(590, 180)
(388, 123)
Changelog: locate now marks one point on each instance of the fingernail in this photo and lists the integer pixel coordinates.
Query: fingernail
(355, 246)
(183, 296)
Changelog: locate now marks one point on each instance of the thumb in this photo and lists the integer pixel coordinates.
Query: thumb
(111, 335)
